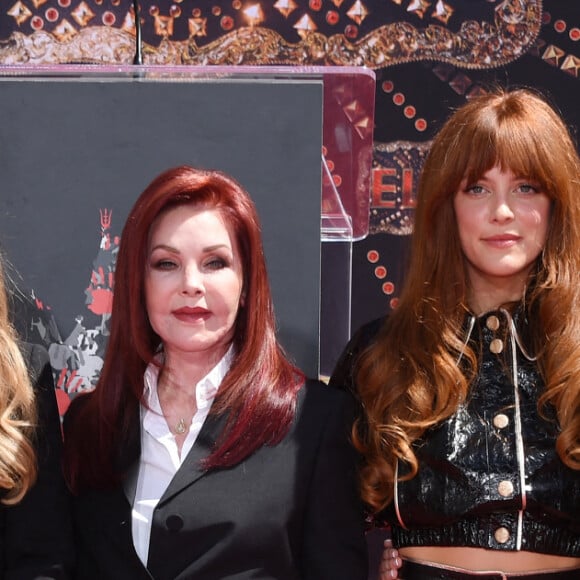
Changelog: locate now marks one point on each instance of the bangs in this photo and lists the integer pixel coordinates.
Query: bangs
(515, 147)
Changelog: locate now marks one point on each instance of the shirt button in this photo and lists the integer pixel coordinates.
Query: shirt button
(501, 535)
(492, 322)
(505, 488)
(501, 421)
(174, 523)
(496, 346)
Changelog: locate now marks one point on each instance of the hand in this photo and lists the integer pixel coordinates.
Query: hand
(390, 562)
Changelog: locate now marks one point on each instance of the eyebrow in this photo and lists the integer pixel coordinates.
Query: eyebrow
(176, 251)
(216, 247)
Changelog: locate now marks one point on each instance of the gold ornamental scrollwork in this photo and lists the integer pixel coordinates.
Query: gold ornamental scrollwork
(475, 45)
(90, 45)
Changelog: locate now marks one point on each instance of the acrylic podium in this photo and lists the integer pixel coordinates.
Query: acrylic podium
(79, 143)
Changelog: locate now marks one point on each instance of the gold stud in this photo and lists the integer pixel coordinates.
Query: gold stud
(501, 535)
(505, 488)
(501, 421)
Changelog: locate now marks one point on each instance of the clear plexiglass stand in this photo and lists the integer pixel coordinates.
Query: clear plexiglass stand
(80, 142)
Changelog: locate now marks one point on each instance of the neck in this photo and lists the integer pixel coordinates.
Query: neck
(182, 371)
(482, 304)
(486, 295)
(491, 292)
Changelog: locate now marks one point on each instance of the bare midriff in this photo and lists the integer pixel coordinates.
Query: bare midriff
(479, 559)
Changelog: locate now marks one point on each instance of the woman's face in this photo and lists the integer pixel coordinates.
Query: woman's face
(503, 223)
(193, 282)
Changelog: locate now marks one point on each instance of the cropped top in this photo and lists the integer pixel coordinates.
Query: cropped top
(489, 476)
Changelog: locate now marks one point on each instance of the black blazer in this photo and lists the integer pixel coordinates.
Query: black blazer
(287, 512)
(36, 534)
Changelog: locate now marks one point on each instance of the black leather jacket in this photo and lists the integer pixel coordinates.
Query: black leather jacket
(489, 476)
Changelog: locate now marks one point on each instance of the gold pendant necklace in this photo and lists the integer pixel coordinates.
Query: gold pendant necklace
(180, 428)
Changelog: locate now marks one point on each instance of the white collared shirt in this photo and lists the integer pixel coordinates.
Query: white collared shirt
(160, 458)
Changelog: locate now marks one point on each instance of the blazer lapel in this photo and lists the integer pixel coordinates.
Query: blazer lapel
(111, 533)
(191, 469)
(128, 459)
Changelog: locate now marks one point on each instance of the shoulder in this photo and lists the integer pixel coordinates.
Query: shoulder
(367, 333)
(35, 357)
(344, 371)
(317, 401)
(37, 361)
(315, 390)
(365, 336)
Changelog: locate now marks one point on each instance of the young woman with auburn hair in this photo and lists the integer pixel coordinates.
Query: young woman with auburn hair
(203, 452)
(35, 526)
(471, 387)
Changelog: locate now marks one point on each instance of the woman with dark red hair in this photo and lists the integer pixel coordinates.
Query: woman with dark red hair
(203, 452)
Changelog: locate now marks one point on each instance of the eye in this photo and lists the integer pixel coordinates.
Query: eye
(164, 264)
(215, 263)
(527, 188)
(475, 189)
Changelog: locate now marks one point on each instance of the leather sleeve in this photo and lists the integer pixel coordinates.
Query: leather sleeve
(334, 539)
(344, 374)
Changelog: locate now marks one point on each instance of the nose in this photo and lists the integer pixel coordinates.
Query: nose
(192, 283)
(501, 210)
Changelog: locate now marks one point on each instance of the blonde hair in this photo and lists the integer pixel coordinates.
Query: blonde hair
(409, 380)
(17, 412)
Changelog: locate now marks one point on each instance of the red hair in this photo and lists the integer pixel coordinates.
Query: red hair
(258, 393)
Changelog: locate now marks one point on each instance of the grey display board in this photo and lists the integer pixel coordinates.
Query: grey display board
(75, 154)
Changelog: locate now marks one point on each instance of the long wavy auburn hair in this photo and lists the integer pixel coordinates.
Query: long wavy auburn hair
(18, 414)
(409, 379)
(259, 391)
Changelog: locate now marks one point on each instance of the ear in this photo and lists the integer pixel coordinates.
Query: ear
(243, 299)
